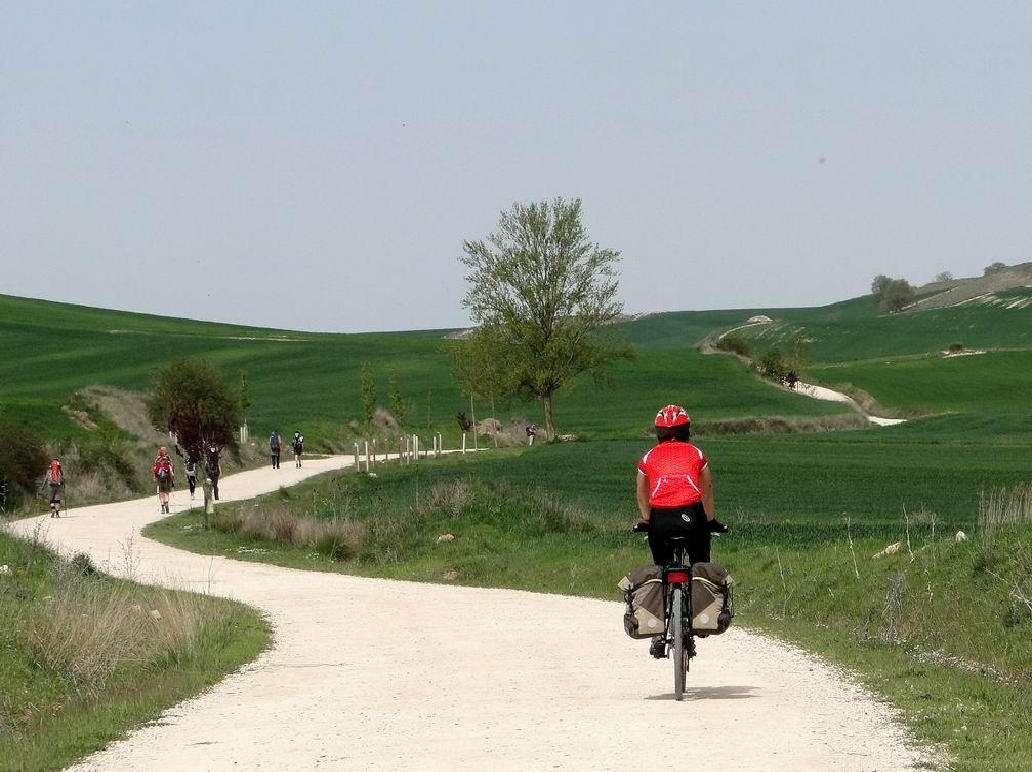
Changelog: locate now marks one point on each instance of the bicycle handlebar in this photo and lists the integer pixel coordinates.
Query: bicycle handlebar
(714, 526)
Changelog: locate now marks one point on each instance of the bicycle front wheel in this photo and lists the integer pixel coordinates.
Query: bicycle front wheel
(677, 626)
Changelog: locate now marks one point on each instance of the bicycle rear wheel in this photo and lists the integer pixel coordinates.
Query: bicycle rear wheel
(679, 654)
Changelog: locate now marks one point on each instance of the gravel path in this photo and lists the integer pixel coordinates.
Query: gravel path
(370, 674)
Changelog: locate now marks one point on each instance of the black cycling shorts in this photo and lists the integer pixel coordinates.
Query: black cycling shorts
(687, 521)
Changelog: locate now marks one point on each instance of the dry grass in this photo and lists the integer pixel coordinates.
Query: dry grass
(1002, 507)
(93, 628)
(340, 539)
(450, 495)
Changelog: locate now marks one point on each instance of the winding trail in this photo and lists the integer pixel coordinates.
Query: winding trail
(370, 674)
(822, 393)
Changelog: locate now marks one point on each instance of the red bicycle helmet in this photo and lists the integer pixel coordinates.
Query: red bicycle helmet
(671, 416)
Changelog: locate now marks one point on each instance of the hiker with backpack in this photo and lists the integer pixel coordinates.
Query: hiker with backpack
(164, 476)
(190, 468)
(275, 446)
(213, 469)
(298, 443)
(55, 480)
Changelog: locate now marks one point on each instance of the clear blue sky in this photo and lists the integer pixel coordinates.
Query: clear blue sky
(318, 165)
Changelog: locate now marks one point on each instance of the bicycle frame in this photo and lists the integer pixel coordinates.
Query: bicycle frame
(677, 583)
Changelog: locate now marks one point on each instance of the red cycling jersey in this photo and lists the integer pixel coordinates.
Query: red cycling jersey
(673, 469)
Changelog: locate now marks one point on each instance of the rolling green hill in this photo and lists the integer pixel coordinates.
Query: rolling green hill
(311, 380)
(852, 330)
(993, 382)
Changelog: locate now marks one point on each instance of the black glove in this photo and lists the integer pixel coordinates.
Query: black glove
(642, 526)
(715, 526)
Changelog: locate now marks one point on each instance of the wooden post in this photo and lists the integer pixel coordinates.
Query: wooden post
(415, 447)
(374, 452)
(357, 463)
(209, 500)
(367, 456)
(473, 418)
(464, 443)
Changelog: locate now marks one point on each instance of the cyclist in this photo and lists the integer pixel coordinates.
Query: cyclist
(674, 492)
(164, 474)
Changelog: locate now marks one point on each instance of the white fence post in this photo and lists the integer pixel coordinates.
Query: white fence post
(367, 455)
(415, 447)
(358, 466)
(464, 443)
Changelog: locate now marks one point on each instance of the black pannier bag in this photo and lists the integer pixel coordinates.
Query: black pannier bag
(712, 602)
(643, 593)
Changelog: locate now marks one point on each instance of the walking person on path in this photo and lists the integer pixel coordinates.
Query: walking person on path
(275, 446)
(213, 469)
(298, 443)
(164, 476)
(55, 480)
(190, 468)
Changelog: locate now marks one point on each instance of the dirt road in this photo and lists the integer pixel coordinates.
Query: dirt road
(368, 674)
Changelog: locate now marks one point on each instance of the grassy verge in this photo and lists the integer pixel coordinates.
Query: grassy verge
(943, 634)
(84, 658)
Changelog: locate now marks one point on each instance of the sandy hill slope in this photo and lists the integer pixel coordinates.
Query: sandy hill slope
(1008, 287)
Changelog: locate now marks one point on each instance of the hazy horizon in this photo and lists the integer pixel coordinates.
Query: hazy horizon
(317, 168)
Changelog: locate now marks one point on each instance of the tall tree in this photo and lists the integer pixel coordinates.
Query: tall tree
(368, 385)
(539, 292)
(191, 399)
(395, 402)
(890, 294)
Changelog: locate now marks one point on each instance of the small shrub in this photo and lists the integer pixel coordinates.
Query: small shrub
(734, 342)
(956, 348)
(281, 526)
(82, 565)
(341, 539)
(773, 365)
(22, 457)
(449, 495)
